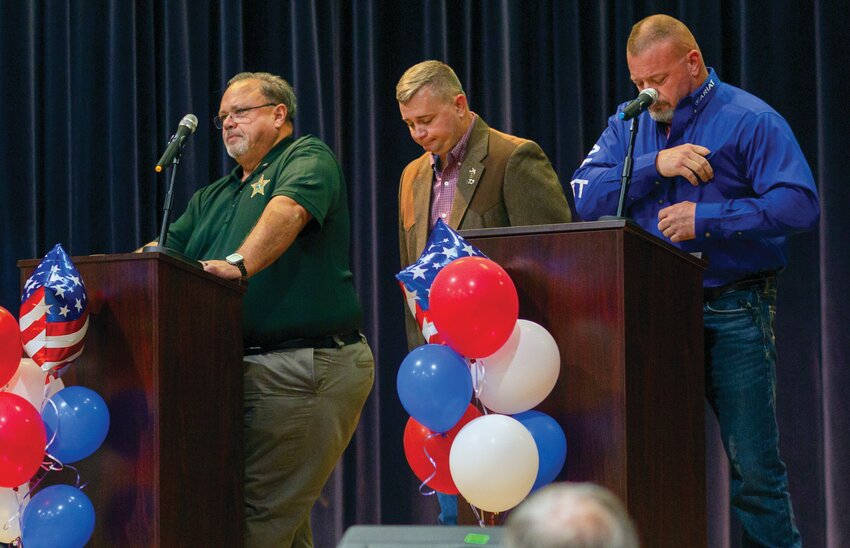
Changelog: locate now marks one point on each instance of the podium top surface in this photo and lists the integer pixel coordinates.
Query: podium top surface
(584, 226)
(84, 260)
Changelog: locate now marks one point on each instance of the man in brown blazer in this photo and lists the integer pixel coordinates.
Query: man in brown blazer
(471, 176)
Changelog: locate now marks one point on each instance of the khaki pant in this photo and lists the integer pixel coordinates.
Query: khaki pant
(301, 409)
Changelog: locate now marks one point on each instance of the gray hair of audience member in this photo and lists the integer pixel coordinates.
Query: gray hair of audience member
(438, 76)
(275, 89)
(571, 515)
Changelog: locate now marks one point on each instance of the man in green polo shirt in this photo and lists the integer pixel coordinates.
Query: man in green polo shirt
(281, 219)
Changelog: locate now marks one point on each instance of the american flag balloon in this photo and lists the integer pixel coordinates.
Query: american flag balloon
(54, 313)
(444, 246)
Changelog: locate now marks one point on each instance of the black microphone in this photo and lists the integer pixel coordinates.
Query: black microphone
(187, 127)
(644, 100)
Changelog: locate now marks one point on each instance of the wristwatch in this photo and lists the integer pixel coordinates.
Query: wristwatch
(238, 261)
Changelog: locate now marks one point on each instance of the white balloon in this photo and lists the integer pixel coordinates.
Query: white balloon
(10, 519)
(522, 372)
(28, 382)
(494, 461)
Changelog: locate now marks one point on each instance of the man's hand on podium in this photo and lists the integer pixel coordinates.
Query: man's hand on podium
(222, 269)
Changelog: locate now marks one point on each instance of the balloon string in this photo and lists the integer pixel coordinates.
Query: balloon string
(20, 499)
(478, 516)
(428, 492)
(78, 483)
(55, 430)
(478, 374)
(45, 392)
(8, 524)
(57, 466)
(48, 467)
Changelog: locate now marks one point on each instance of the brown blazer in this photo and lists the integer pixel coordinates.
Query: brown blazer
(503, 181)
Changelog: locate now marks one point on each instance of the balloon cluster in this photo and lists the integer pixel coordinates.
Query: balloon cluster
(44, 426)
(494, 459)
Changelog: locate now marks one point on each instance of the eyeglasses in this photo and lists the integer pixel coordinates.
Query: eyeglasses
(239, 115)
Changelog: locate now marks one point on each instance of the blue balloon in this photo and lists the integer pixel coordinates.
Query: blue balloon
(551, 444)
(434, 386)
(81, 424)
(59, 516)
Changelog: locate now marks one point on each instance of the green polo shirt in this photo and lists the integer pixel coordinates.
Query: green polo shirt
(309, 290)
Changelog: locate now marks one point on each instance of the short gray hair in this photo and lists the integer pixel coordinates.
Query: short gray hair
(275, 89)
(570, 515)
(660, 28)
(438, 76)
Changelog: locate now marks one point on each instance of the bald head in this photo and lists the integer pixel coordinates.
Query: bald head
(656, 29)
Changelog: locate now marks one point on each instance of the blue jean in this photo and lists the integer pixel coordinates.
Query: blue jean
(740, 357)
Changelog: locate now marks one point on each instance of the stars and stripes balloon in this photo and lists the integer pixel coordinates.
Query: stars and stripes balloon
(444, 246)
(54, 312)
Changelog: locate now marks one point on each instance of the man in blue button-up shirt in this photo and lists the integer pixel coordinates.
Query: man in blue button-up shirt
(716, 170)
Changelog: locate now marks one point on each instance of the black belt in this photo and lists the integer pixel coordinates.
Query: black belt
(762, 279)
(330, 341)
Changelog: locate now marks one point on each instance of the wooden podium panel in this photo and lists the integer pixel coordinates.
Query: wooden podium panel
(164, 349)
(626, 311)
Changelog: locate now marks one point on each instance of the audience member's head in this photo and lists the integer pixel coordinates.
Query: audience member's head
(570, 515)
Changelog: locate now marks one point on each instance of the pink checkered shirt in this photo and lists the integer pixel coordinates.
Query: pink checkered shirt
(445, 179)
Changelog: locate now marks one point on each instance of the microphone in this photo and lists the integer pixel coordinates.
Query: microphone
(644, 100)
(187, 127)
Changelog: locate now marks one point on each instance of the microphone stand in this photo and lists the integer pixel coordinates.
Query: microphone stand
(626, 178)
(166, 221)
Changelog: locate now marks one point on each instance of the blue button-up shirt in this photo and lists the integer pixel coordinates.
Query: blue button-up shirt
(762, 188)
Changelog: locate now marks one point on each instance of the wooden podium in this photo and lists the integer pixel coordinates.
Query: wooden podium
(164, 349)
(626, 311)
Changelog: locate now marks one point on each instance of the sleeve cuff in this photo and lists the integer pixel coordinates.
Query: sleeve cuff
(705, 225)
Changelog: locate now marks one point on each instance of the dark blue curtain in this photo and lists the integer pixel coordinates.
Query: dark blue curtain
(91, 91)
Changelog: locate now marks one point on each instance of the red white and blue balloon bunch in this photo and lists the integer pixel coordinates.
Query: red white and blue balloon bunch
(467, 308)
(43, 425)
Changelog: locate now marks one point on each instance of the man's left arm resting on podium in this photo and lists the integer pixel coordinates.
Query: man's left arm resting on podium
(281, 222)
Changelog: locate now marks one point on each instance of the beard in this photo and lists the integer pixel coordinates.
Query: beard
(663, 115)
(237, 148)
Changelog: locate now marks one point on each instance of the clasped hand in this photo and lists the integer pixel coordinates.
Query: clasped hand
(687, 161)
(678, 221)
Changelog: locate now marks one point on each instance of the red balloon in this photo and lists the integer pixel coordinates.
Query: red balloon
(416, 441)
(22, 440)
(11, 349)
(474, 306)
